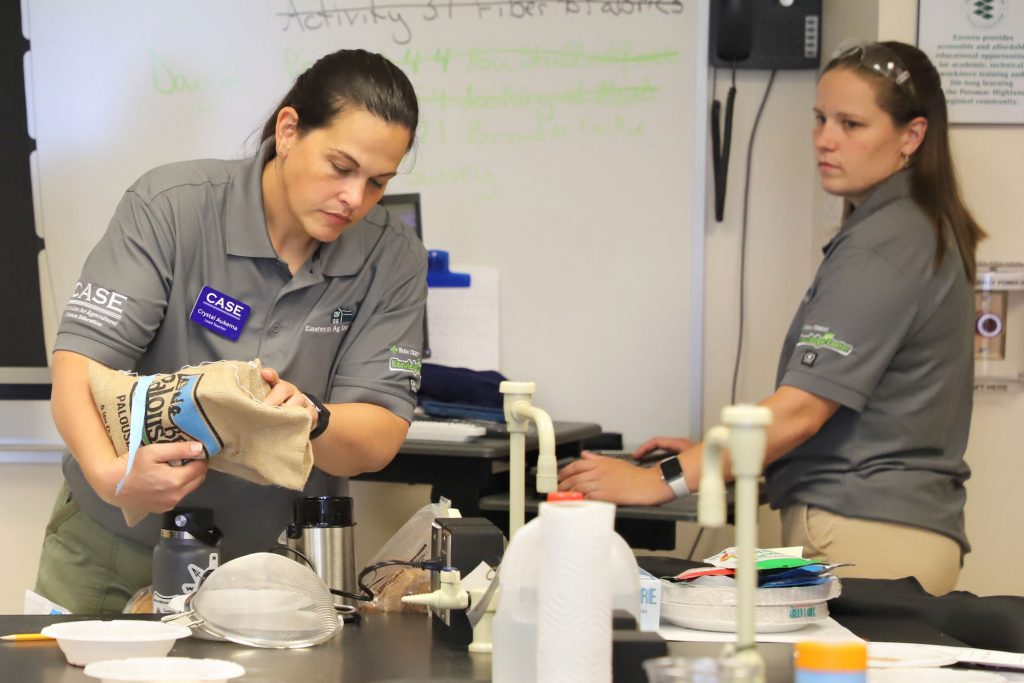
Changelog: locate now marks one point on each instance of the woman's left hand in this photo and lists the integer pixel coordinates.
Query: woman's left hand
(614, 480)
(284, 393)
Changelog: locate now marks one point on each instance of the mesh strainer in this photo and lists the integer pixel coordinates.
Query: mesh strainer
(263, 600)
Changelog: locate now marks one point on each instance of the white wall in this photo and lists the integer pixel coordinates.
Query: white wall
(989, 162)
(778, 262)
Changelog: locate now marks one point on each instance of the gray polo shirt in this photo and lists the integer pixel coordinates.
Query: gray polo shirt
(889, 337)
(346, 327)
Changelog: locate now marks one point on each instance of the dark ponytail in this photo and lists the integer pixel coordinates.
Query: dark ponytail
(349, 78)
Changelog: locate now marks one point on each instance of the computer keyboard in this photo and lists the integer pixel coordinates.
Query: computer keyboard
(444, 430)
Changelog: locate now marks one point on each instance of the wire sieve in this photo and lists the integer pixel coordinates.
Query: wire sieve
(262, 600)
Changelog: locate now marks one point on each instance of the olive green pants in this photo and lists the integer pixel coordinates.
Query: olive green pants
(881, 550)
(86, 568)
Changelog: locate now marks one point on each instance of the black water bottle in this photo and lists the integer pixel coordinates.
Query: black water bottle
(189, 546)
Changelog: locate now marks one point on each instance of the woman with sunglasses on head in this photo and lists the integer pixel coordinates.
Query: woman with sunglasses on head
(874, 388)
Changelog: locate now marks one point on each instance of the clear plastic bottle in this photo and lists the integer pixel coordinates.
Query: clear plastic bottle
(514, 635)
(825, 662)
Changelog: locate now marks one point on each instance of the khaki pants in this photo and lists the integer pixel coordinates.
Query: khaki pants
(86, 568)
(881, 550)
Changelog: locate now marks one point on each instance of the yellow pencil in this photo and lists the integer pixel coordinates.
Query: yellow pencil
(26, 636)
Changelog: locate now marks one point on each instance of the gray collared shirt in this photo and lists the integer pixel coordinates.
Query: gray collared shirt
(888, 336)
(347, 326)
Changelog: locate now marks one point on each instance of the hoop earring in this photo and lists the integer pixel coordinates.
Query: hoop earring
(906, 160)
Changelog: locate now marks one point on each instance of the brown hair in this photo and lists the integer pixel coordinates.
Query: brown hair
(934, 186)
(349, 78)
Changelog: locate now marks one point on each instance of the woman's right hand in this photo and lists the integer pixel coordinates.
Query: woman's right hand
(153, 485)
(157, 482)
(671, 444)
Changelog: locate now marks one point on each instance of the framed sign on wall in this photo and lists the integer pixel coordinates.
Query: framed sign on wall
(978, 48)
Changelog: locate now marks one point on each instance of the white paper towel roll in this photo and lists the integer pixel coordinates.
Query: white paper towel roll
(574, 619)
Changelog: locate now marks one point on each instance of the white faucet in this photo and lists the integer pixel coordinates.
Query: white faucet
(744, 434)
(519, 410)
(451, 595)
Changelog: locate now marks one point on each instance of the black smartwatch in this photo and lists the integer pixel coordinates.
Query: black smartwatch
(672, 474)
(323, 416)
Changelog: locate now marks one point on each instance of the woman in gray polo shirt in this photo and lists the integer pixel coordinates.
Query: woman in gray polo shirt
(873, 405)
(325, 288)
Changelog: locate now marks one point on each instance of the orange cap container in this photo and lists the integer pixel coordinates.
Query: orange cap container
(825, 656)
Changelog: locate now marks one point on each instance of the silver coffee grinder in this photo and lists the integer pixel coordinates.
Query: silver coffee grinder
(322, 530)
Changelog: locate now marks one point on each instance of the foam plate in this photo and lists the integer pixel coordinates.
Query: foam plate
(84, 642)
(933, 676)
(156, 669)
(907, 655)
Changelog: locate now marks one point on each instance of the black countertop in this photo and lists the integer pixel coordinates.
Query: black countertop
(384, 647)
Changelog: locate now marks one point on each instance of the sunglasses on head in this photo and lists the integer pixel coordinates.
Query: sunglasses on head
(879, 59)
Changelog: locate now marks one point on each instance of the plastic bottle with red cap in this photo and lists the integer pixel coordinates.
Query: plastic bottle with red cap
(515, 622)
(830, 662)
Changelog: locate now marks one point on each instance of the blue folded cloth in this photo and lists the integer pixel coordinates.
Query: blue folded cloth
(460, 386)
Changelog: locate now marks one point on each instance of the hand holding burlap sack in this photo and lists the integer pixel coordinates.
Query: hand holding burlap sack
(218, 404)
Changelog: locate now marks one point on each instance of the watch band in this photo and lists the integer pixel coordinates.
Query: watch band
(323, 416)
(672, 474)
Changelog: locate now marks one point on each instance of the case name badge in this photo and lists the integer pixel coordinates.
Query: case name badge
(220, 313)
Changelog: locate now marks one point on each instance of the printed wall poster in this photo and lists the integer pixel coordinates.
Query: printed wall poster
(978, 48)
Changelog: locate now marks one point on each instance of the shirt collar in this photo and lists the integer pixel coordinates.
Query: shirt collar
(247, 224)
(893, 188)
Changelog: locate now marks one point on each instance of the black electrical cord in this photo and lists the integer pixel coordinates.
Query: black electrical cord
(743, 236)
(295, 552)
(696, 540)
(367, 594)
(716, 137)
(721, 141)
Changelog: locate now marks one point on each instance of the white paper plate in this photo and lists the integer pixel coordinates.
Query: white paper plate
(907, 655)
(933, 676)
(117, 630)
(84, 642)
(152, 669)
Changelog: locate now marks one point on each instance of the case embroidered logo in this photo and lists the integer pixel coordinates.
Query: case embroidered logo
(96, 306)
(808, 358)
(173, 413)
(823, 338)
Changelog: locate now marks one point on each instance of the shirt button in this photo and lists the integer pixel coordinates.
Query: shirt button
(275, 328)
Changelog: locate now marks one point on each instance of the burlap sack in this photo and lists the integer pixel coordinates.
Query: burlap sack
(217, 404)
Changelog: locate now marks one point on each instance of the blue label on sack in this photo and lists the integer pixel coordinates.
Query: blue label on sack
(219, 313)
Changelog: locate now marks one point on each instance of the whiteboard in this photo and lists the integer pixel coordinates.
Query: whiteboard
(561, 142)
